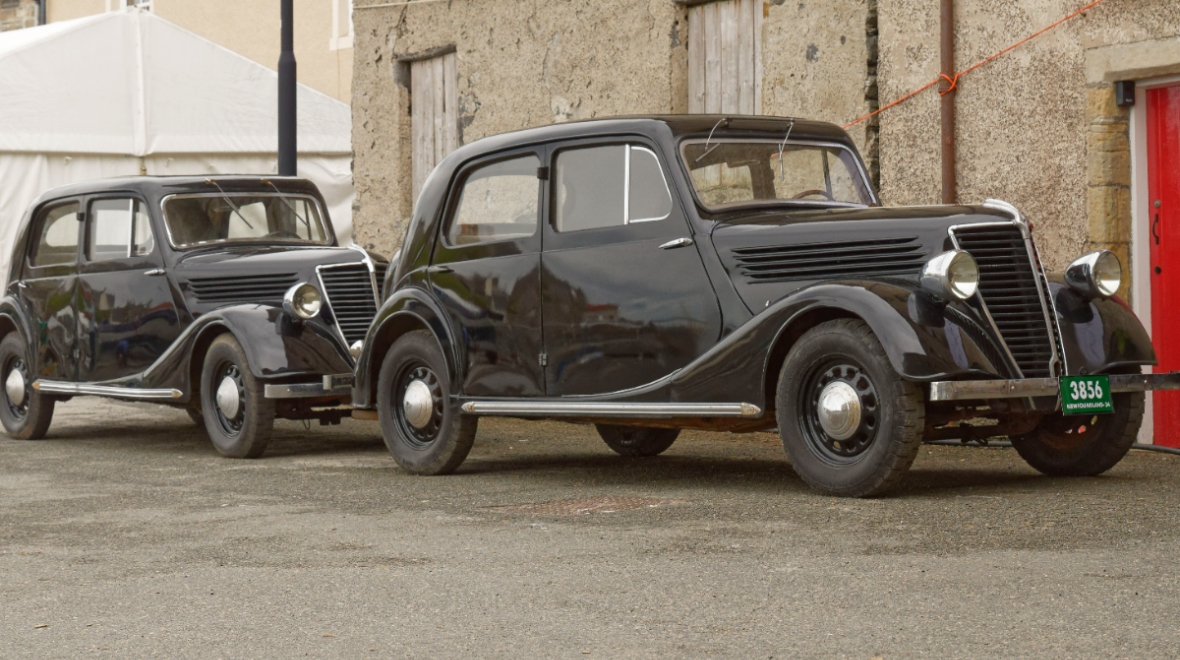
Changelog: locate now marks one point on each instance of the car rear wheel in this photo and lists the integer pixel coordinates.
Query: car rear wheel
(25, 412)
(423, 427)
(849, 423)
(1086, 445)
(637, 440)
(238, 417)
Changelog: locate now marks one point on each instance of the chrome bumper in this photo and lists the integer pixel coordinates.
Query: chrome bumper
(336, 385)
(960, 390)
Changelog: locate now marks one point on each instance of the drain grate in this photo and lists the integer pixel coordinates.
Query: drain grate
(601, 504)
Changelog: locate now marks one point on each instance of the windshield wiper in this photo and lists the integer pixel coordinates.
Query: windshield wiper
(781, 148)
(228, 201)
(707, 150)
(283, 197)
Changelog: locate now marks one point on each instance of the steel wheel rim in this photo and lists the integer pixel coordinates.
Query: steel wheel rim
(829, 449)
(424, 436)
(231, 427)
(20, 412)
(1068, 432)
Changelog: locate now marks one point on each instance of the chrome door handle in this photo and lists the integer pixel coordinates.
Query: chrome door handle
(154, 271)
(676, 242)
(440, 269)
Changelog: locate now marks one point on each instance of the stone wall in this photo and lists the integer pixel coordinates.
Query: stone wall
(17, 14)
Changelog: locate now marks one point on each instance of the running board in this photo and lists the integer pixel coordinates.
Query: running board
(81, 389)
(562, 408)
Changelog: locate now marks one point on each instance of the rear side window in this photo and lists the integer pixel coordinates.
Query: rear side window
(498, 202)
(609, 186)
(118, 229)
(57, 237)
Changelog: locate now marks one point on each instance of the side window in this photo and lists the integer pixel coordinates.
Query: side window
(609, 186)
(57, 237)
(498, 202)
(118, 229)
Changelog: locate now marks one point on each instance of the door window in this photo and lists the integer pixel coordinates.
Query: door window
(498, 202)
(118, 229)
(57, 237)
(609, 186)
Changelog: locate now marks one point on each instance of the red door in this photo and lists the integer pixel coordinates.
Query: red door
(1163, 171)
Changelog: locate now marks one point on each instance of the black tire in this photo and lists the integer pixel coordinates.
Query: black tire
(246, 433)
(439, 444)
(637, 441)
(887, 434)
(1085, 445)
(30, 419)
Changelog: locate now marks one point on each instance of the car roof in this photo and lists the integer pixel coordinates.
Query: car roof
(159, 186)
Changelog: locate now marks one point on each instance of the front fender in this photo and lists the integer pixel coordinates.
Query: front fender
(276, 346)
(924, 340)
(1098, 335)
(14, 318)
(407, 309)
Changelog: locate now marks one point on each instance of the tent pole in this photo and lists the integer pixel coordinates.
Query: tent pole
(287, 132)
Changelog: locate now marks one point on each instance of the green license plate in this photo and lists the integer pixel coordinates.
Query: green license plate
(1086, 395)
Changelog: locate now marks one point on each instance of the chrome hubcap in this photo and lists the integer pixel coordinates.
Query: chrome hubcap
(418, 404)
(228, 399)
(14, 387)
(839, 410)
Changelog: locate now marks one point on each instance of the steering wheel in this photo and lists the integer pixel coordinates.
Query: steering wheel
(814, 191)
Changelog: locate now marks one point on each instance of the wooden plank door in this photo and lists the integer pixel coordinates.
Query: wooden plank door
(434, 114)
(1163, 173)
(725, 57)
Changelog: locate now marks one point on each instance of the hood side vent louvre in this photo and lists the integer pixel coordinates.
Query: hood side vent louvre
(813, 261)
(260, 289)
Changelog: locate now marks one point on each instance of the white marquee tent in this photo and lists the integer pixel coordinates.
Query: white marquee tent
(125, 93)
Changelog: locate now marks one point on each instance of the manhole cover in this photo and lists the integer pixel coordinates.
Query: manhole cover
(601, 504)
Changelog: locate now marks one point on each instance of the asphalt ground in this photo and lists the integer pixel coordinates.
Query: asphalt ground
(123, 534)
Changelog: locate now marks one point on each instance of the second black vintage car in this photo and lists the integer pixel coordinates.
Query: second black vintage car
(737, 273)
(226, 296)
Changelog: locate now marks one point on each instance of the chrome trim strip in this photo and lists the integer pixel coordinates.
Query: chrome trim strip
(1031, 387)
(86, 389)
(563, 408)
(304, 391)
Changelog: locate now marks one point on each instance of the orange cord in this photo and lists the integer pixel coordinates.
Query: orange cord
(953, 81)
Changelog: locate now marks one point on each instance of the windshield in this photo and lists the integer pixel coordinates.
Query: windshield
(215, 218)
(728, 173)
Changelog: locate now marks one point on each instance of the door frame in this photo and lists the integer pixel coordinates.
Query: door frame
(1140, 266)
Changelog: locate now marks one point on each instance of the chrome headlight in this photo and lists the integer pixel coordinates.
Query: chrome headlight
(1095, 275)
(951, 275)
(303, 301)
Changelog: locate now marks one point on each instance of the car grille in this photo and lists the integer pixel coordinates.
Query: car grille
(261, 289)
(813, 261)
(349, 293)
(1008, 283)
(379, 275)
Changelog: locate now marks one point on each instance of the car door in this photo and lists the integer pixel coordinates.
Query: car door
(625, 295)
(126, 313)
(49, 288)
(486, 272)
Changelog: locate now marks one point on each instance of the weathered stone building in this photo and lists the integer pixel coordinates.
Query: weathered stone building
(1038, 127)
(18, 14)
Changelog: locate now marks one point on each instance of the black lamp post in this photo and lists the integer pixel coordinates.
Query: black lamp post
(287, 92)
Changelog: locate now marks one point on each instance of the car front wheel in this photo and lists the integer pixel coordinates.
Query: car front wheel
(849, 423)
(1086, 445)
(422, 426)
(25, 412)
(238, 416)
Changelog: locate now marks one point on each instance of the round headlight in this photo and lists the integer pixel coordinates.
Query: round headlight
(951, 275)
(303, 300)
(1095, 275)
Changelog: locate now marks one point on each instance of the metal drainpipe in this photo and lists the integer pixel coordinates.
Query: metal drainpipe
(949, 192)
(41, 12)
(287, 114)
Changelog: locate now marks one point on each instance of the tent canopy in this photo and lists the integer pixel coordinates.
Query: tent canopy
(126, 93)
(130, 82)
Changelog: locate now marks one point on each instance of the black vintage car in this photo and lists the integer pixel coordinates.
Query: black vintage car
(226, 296)
(653, 274)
